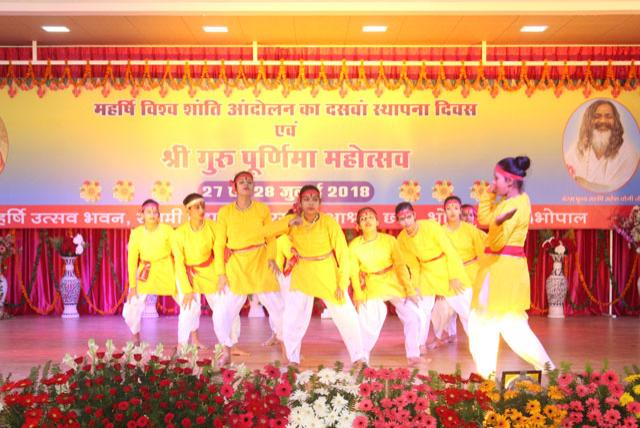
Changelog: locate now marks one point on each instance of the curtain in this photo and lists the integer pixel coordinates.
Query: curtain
(102, 270)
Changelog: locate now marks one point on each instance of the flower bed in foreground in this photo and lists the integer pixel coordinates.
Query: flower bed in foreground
(138, 387)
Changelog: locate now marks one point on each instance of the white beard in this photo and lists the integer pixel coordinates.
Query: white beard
(600, 140)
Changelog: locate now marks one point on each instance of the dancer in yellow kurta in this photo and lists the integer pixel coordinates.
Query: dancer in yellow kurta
(193, 249)
(321, 270)
(151, 271)
(436, 268)
(250, 268)
(501, 293)
(468, 241)
(380, 274)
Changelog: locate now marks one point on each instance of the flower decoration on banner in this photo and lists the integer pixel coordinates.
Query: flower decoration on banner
(69, 245)
(559, 246)
(162, 191)
(7, 249)
(123, 191)
(91, 190)
(441, 190)
(629, 227)
(410, 191)
(478, 189)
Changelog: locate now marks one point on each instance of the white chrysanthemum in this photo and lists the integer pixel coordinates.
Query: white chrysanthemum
(78, 239)
(339, 402)
(327, 376)
(79, 250)
(320, 407)
(299, 395)
(346, 420)
(304, 377)
(321, 391)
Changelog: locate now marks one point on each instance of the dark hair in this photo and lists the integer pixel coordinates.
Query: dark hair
(586, 129)
(362, 211)
(290, 211)
(403, 206)
(517, 166)
(305, 188)
(463, 206)
(150, 202)
(452, 198)
(190, 197)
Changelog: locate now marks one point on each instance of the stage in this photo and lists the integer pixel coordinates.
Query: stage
(27, 341)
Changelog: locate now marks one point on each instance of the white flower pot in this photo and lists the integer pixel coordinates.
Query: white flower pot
(556, 287)
(70, 289)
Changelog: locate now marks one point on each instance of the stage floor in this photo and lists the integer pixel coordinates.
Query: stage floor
(27, 341)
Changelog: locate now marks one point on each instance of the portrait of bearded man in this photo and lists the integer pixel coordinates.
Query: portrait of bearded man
(602, 160)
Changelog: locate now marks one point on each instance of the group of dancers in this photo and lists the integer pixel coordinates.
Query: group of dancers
(288, 263)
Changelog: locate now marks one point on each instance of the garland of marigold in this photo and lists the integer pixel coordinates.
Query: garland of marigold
(85, 294)
(343, 82)
(25, 295)
(595, 299)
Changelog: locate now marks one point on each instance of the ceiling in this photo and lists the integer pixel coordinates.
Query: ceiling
(320, 22)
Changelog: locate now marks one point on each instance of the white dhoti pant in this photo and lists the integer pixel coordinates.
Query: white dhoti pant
(297, 312)
(443, 319)
(425, 305)
(285, 284)
(484, 339)
(228, 314)
(461, 304)
(372, 314)
(188, 320)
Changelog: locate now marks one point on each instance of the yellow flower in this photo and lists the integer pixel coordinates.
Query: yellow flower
(636, 389)
(502, 422)
(538, 420)
(91, 190)
(534, 387)
(490, 418)
(514, 415)
(479, 188)
(632, 378)
(554, 393)
(532, 407)
(626, 398)
(410, 191)
(493, 396)
(441, 190)
(123, 191)
(487, 386)
(551, 411)
(510, 394)
(162, 191)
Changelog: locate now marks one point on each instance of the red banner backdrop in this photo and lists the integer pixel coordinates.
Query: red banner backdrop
(34, 274)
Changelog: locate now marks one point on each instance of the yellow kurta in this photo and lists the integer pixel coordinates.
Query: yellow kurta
(194, 248)
(429, 276)
(368, 257)
(320, 278)
(154, 247)
(247, 271)
(283, 251)
(468, 241)
(509, 284)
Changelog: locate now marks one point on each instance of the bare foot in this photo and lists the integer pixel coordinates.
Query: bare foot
(414, 362)
(195, 340)
(358, 365)
(136, 339)
(225, 358)
(273, 340)
(452, 339)
(239, 352)
(283, 351)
